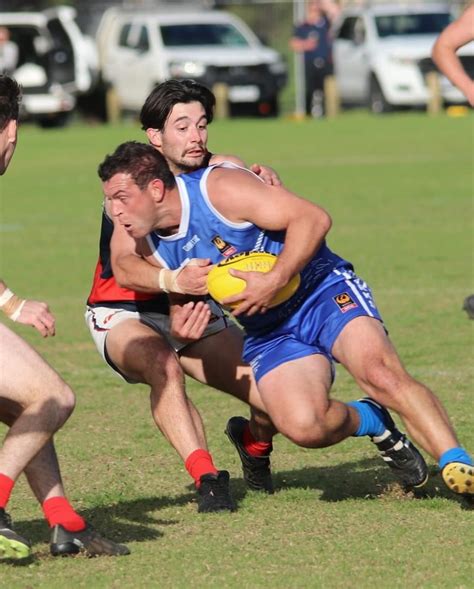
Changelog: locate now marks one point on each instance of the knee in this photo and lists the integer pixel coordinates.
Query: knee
(166, 375)
(65, 402)
(169, 370)
(307, 431)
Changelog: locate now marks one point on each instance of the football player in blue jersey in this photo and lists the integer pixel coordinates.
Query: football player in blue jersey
(291, 347)
(175, 117)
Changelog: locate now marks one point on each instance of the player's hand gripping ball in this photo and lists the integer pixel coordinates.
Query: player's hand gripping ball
(221, 284)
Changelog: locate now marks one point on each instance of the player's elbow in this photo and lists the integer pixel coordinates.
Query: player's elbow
(324, 222)
(443, 49)
(435, 52)
(121, 276)
(123, 281)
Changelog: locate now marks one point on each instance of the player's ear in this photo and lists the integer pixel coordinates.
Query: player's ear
(12, 131)
(154, 137)
(157, 189)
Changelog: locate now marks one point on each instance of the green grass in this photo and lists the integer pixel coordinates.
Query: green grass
(400, 191)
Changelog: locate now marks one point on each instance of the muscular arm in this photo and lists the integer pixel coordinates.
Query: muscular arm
(457, 34)
(129, 268)
(132, 271)
(241, 197)
(135, 268)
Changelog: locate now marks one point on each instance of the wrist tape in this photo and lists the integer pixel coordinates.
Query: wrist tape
(168, 280)
(11, 305)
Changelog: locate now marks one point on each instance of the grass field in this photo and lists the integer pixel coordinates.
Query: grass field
(400, 191)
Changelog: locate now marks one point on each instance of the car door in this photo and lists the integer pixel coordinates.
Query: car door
(351, 60)
(74, 56)
(131, 68)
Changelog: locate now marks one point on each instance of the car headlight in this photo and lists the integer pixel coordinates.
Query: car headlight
(279, 67)
(187, 69)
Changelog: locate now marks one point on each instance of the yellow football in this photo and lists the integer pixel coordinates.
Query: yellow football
(222, 285)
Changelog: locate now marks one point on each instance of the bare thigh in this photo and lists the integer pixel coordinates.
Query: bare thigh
(217, 361)
(365, 350)
(25, 376)
(138, 351)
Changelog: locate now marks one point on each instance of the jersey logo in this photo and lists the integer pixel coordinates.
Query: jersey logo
(191, 243)
(226, 249)
(345, 302)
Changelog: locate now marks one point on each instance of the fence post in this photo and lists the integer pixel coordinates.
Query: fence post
(221, 92)
(112, 105)
(434, 104)
(331, 97)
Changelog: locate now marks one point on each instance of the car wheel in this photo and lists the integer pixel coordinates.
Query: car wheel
(55, 121)
(377, 101)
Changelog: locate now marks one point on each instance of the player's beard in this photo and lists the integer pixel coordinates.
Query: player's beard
(185, 167)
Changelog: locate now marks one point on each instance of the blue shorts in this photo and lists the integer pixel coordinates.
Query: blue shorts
(314, 327)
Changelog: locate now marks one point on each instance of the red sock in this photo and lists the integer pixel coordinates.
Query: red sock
(198, 463)
(6, 486)
(253, 447)
(58, 511)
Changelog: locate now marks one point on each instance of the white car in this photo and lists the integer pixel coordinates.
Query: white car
(56, 62)
(139, 49)
(382, 54)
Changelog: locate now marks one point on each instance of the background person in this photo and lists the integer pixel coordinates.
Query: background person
(34, 403)
(454, 36)
(312, 38)
(8, 52)
(458, 33)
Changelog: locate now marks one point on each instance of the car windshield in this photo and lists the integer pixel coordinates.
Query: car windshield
(223, 35)
(412, 24)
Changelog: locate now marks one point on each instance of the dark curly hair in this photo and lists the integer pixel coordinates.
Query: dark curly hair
(10, 98)
(143, 162)
(163, 97)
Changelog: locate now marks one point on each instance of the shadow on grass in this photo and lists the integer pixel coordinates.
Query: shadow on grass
(361, 479)
(134, 521)
(126, 521)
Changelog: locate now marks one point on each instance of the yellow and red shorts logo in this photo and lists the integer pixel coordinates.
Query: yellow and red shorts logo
(345, 302)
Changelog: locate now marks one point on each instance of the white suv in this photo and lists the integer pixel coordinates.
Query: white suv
(382, 54)
(56, 62)
(139, 49)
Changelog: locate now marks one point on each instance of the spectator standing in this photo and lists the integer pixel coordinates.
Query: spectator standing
(312, 38)
(8, 52)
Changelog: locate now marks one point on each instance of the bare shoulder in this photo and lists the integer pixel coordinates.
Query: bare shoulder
(231, 178)
(218, 158)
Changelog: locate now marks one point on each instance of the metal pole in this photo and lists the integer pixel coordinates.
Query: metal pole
(300, 80)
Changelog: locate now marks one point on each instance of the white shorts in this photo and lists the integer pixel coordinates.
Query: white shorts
(100, 320)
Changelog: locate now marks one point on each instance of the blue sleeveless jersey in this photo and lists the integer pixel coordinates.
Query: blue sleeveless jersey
(205, 233)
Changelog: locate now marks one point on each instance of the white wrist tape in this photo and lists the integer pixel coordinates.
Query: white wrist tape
(168, 280)
(11, 305)
(5, 297)
(14, 316)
